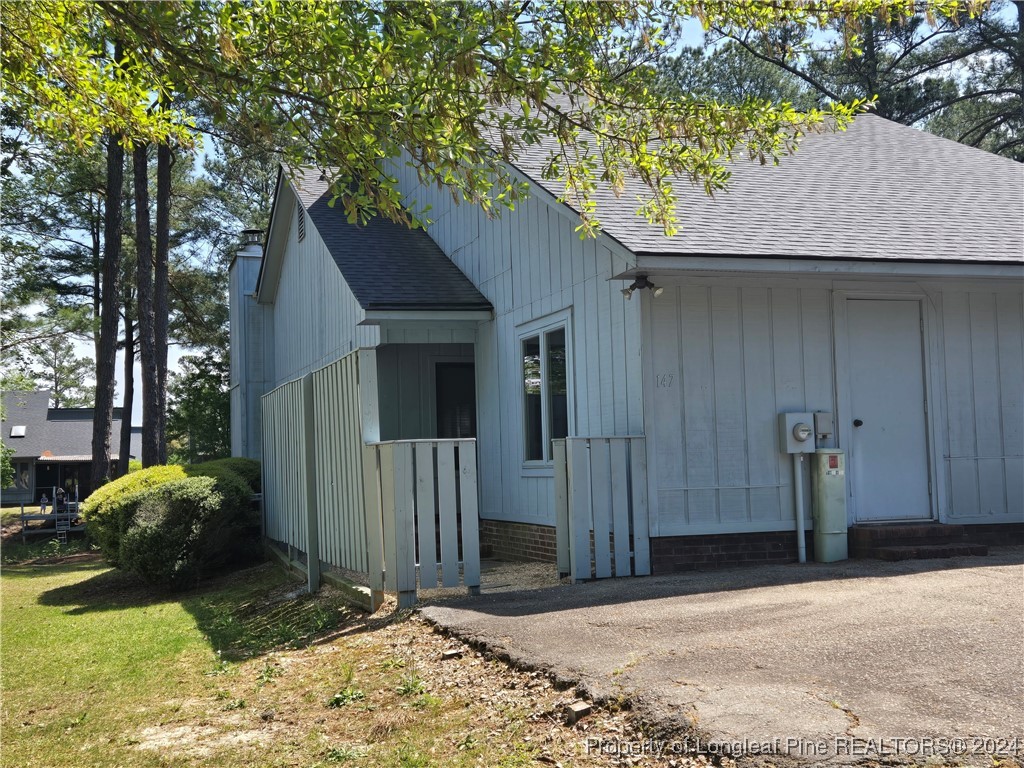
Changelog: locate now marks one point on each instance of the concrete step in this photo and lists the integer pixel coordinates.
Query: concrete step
(929, 551)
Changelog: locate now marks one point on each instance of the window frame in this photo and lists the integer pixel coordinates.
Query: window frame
(540, 328)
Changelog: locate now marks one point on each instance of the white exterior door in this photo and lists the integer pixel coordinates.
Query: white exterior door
(886, 424)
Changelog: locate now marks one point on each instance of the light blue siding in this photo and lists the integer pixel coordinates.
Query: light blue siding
(530, 263)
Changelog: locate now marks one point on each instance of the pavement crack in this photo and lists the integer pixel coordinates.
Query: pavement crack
(851, 716)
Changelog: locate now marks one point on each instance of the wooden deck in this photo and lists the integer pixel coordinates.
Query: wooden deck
(53, 522)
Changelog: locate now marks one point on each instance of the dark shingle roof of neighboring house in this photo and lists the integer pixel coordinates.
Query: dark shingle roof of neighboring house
(66, 433)
(386, 265)
(878, 191)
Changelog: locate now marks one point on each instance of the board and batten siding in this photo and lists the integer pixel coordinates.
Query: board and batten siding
(531, 264)
(724, 356)
(983, 371)
(315, 317)
(723, 361)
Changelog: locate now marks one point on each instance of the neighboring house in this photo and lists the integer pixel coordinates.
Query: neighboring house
(52, 447)
(876, 275)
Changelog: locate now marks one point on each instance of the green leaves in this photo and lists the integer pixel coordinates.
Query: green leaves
(453, 89)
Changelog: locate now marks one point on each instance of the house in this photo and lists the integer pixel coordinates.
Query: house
(52, 446)
(875, 276)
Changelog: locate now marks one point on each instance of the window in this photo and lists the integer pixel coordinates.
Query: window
(22, 473)
(545, 391)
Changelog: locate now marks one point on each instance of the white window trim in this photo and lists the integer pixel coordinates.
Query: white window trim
(540, 327)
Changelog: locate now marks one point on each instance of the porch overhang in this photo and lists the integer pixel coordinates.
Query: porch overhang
(427, 326)
(440, 316)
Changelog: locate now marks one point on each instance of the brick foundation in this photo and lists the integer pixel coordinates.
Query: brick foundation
(671, 554)
(995, 535)
(518, 541)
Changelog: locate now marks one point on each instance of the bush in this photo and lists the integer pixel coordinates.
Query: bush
(172, 525)
(234, 535)
(247, 469)
(162, 543)
(110, 509)
(134, 465)
(186, 529)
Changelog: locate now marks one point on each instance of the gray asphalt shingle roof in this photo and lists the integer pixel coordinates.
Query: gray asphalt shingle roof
(879, 191)
(386, 265)
(62, 432)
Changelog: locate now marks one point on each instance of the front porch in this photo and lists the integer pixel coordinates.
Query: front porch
(370, 463)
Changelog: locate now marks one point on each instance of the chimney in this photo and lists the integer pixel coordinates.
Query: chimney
(247, 323)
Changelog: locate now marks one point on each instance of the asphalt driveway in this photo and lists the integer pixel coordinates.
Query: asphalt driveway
(845, 662)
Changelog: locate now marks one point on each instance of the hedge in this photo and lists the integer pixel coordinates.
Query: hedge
(172, 532)
(247, 469)
(162, 544)
(234, 535)
(110, 509)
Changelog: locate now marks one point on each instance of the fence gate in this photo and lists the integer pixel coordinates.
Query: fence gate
(601, 507)
(424, 495)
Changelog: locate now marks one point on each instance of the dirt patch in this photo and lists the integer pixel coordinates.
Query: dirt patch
(198, 741)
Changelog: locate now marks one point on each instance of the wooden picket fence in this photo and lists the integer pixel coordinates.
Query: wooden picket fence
(396, 512)
(601, 507)
(424, 492)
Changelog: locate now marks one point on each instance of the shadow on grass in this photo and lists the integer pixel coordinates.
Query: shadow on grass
(243, 614)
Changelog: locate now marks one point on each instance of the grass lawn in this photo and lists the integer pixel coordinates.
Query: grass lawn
(248, 671)
(39, 545)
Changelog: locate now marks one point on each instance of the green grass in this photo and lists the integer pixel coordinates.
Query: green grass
(70, 671)
(247, 671)
(89, 657)
(11, 515)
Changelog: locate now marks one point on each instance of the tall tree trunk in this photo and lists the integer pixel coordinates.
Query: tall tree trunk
(164, 160)
(109, 316)
(1020, 51)
(870, 72)
(128, 403)
(144, 289)
(97, 255)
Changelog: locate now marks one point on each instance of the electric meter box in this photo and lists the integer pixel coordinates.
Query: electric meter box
(796, 433)
(828, 497)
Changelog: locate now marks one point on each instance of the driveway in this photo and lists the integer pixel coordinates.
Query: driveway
(843, 662)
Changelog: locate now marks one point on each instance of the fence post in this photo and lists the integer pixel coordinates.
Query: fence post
(641, 522)
(580, 515)
(470, 516)
(372, 508)
(309, 438)
(561, 506)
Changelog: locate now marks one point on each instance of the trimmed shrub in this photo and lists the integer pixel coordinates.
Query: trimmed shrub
(187, 529)
(234, 535)
(134, 465)
(247, 469)
(110, 509)
(162, 545)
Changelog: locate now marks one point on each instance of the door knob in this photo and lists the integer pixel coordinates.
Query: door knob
(858, 423)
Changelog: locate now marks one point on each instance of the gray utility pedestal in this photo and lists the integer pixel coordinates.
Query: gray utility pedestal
(828, 478)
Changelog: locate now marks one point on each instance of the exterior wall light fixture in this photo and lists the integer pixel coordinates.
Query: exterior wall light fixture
(640, 283)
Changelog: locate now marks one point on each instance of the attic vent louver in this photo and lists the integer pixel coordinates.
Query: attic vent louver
(17, 431)
(302, 224)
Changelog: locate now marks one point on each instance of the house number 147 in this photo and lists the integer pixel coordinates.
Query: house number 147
(664, 380)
